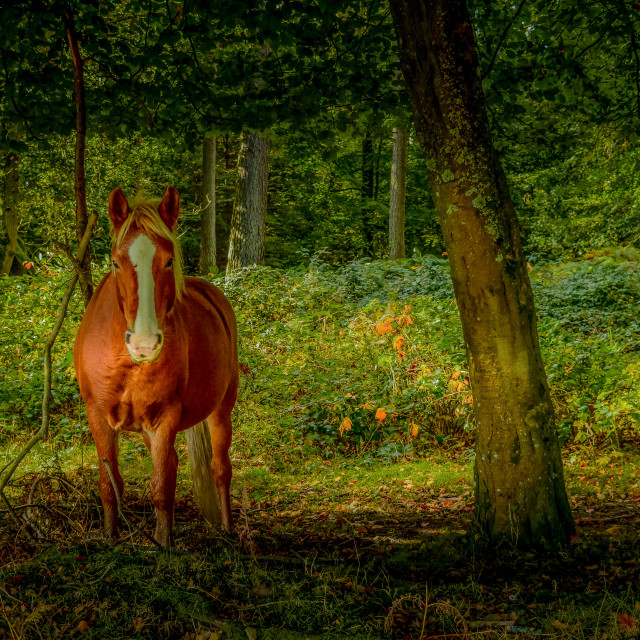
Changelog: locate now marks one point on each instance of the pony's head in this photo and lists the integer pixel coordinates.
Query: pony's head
(147, 267)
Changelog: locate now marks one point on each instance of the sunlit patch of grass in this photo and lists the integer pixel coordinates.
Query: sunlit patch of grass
(607, 474)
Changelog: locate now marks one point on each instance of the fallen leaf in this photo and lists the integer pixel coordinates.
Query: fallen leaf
(138, 624)
(381, 414)
(615, 529)
(83, 625)
(413, 429)
(252, 634)
(559, 625)
(627, 623)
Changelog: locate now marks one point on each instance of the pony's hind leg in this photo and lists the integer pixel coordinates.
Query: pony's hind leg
(106, 441)
(220, 430)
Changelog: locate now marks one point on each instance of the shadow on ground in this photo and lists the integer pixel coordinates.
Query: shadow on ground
(390, 569)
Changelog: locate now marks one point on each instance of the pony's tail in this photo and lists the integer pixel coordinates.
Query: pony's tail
(199, 447)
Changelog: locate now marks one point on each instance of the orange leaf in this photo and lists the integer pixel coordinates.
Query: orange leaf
(626, 622)
(83, 625)
(381, 414)
(408, 320)
(455, 375)
(444, 253)
(407, 308)
(413, 428)
(398, 342)
(138, 624)
(345, 426)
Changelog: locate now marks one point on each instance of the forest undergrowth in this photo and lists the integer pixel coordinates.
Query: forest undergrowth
(353, 471)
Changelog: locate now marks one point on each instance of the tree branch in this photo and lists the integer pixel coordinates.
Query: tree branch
(43, 432)
(502, 38)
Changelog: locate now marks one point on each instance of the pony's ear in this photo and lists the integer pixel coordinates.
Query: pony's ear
(169, 208)
(118, 209)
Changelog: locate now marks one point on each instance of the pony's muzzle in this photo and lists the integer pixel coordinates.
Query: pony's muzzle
(143, 347)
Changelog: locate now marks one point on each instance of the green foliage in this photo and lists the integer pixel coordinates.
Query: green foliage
(365, 359)
(334, 344)
(592, 296)
(579, 197)
(27, 314)
(590, 337)
(314, 201)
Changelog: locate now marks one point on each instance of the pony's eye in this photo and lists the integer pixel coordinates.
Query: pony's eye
(115, 265)
(169, 263)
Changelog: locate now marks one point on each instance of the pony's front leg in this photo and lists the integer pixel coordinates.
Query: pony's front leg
(106, 441)
(163, 481)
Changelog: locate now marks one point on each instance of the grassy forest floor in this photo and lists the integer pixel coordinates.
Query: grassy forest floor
(339, 551)
(353, 471)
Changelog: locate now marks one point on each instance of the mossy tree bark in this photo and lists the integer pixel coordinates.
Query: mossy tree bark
(207, 262)
(10, 215)
(248, 221)
(519, 484)
(398, 194)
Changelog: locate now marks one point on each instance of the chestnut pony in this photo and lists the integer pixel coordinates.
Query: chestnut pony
(156, 353)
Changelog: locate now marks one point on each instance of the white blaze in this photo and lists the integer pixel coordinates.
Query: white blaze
(141, 253)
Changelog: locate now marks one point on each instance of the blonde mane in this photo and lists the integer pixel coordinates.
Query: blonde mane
(144, 213)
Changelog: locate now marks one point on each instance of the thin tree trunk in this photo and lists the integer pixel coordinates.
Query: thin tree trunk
(398, 193)
(86, 282)
(520, 491)
(248, 222)
(226, 193)
(376, 187)
(10, 215)
(366, 191)
(207, 262)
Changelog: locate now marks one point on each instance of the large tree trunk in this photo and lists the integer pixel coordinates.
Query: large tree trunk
(207, 262)
(248, 222)
(520, 492)
(84, 274)
(10, 218)
(398, 193)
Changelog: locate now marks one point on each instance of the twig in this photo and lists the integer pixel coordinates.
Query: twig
(426, 606)
(65, 250)
(502, 38)
(132, 525)
(43, 432)
(6, 618)
(14, 516)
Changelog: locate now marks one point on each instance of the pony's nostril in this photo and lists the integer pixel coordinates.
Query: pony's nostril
(127, 336)
(160, 338)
